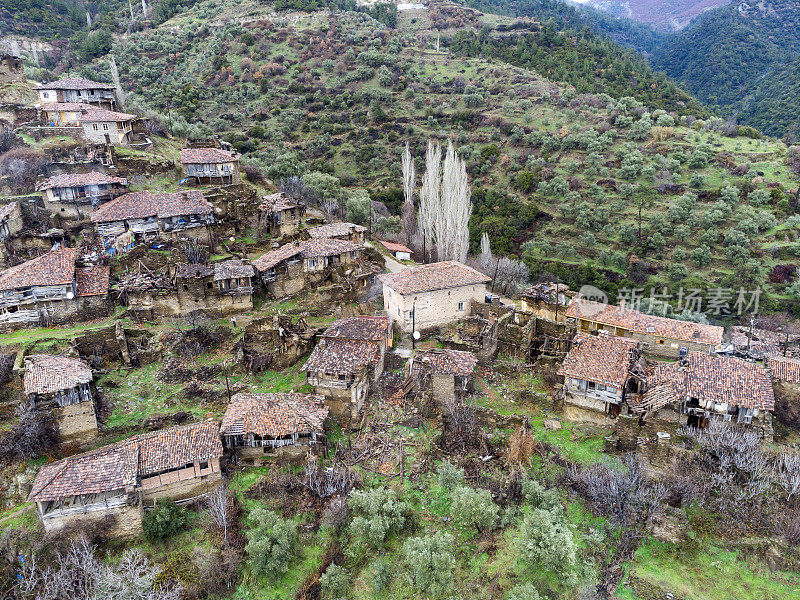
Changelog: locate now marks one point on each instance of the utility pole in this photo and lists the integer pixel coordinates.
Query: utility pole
(413, 326)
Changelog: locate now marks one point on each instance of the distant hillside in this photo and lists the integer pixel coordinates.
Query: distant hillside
(663, 14)
(743, 60)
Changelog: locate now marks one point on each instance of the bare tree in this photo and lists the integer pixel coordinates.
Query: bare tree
(337, 479)
(429, 198)
(330, 206)
(786, 473)
(409, 182)
(220, 509)
(485, 259)
(452, 223)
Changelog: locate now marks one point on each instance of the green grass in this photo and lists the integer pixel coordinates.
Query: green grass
(714, 574)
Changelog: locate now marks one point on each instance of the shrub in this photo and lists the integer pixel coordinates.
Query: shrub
(540, 497)
(272, 543)
(164, 521)
(381, 574)
(378, 514)
(334, 582)
(545, 542)
(474, 507)
(430, 562)
(523, 591)
(450, 475)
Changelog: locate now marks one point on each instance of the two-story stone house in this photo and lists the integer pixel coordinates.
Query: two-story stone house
(115, 482)
(210, 165)
(75, 195)
(425, 296)
(299, 264)
(107, 126)
(347, 361)
(78, 90)
(223, 287)
(280, 216)
(62, 385)
(143, 216)
(259, 426)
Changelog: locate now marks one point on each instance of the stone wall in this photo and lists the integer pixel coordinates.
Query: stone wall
(294, 455)
(77, 423)
(181, 490)
(434, 308)
(125, 521)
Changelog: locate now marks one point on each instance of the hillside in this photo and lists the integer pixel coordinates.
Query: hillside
(662, 14)
(741, 59)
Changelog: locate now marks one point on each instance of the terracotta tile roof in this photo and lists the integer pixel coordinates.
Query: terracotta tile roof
(364, 328)
(178, 446)
(120, 465)
(207, 155)
(718, 379)
(308, 249)
(140, 205)
(75, 83)
(92, 281)
(392, 247)
(276, 202)
(6, 210)
(342, 357)
(434, 276)
(190, 271)
(446, 362)
(601, 358)
(274, 415)
(80, 180)
(101, 115)
(110, 468)
(641, 323)
(46, 374)
(784, 368)
(57, 267)
(546, 291)
(335, 230)
(63, 107)
(232, 268)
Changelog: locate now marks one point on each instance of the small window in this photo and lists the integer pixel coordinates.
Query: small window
(95, 127)
(185, 287)
(591, 385)
(209, 285)
(105, 126)
(460, 306)
(203, 465)
(661, 342)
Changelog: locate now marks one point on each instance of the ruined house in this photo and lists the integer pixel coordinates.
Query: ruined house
(347, 360)
(339, 231)
(51, 288)
(222, 287)
(300, 264)
(10, 220)
(701, 387)
(280, 216)
(258, 426)
(547, 300)
(757, 343)
(64, 386)
(669, 338)
(399, 251)
(598, 375)
(210, 166)
(145, 216)
(14, 88)
(78, 90)
(61, 114)
(74, 195)
(441, 375)
(425, 296)
(115, 482)
(785, 372)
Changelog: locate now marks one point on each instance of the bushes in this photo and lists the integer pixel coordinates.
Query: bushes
(523, 591)
(34, 435)
(449, 475)
(474, 507)
(545, 542)
(379, 513)
(430, 562)
(164, 521)
(334, 582)
(272, 543)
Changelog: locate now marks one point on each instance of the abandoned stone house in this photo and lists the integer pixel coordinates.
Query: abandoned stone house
(75, 195)
(347, 361)
(785, 372)
(11, 67)
(441, 375)
(139, 217)
(598, 375)
(701, 387)
(78, 90)
(10, 220)
(115, 483)
(399, 251)
(669, 338)
(210, 166)
(61, 114)
(107, 126)
(547, 300)
(50, 288)
(259, 426)
(62, 385)
(223, 287)
(757, 343)
(280, 216)
(339, 231)
(426, 296)
(299, 264)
